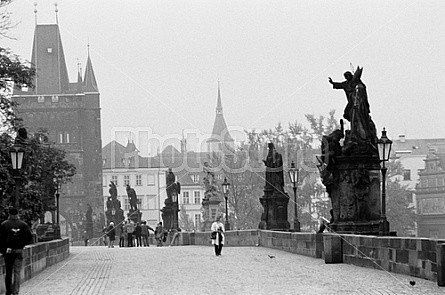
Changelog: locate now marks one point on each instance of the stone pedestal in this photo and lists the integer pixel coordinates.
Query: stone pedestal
(135, 215)
(353, 185)
(211, 211)
(167, 214)
(274, 216)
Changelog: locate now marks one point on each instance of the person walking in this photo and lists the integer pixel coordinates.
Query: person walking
(145, 232)
(14, 236)
(159, 234)
(111, 233)
(217, 232)
(122, 235)
(85, 237)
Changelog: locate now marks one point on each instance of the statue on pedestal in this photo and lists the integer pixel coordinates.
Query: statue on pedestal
(350, 170)
(114, 211)
(171, 209)
(275, 201)
(274, 169)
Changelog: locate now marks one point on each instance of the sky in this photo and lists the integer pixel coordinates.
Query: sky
(158, 63)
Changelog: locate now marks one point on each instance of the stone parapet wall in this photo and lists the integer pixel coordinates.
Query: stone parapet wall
(415, 257)
(37, 257)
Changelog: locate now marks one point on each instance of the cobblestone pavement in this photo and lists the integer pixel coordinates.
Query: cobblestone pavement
(195, 270)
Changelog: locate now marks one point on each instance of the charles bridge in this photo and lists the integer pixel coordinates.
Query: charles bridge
(253, 262)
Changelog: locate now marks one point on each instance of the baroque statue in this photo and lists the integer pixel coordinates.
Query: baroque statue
(362, 136)
(274, 169)
(131, 193)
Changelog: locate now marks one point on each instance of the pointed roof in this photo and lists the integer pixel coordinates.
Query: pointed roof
(90, 78)
(220, 130)
(49, 61)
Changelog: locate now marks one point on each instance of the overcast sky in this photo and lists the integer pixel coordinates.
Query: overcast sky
(157, 63)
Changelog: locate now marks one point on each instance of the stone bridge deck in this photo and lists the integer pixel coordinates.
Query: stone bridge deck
(195, 270)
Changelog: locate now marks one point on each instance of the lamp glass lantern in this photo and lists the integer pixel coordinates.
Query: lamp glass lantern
(226, 187)
(16, 152)
(294, 174)
(384, 146)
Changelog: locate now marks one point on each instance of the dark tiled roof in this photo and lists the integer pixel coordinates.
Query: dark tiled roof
(418, 146)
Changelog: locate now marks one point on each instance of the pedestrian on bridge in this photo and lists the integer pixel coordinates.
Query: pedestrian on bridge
(14, 236)
(145, 232)
(217, 233)
(111, 233)
(159, 234)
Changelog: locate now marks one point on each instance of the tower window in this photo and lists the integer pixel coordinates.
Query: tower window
(50, 50)
(40, 99)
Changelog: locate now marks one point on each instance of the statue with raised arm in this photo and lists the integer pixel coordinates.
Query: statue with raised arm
(362, 136)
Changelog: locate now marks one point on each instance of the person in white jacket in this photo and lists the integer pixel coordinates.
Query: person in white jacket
(218, 235)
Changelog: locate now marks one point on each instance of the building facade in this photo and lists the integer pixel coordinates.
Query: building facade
(414, 154)
(70, 112)
(431, 197)
(123, 166)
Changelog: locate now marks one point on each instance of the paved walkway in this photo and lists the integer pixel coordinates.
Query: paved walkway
(195, 270)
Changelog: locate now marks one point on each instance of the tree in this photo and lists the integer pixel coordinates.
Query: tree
(6, 23)
(185, 221)
(13, 74)
(44, 168)
(401, 217)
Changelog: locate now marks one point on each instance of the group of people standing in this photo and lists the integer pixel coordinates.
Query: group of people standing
(130, 234)
(133, 234)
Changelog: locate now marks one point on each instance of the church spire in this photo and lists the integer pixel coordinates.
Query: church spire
(219, 108)
(90, 78)
(220, 139)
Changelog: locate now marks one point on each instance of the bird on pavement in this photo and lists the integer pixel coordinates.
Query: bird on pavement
(271, 256)
(412, 283)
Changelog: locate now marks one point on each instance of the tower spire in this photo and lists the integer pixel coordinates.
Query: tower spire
(219, 108)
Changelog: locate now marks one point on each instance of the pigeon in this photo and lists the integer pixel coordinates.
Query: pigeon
(271, 256)
(412, 283)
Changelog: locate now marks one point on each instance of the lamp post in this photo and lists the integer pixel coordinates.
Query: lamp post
(384, 146)
(16, 153)
(294, 173)
(226, 187)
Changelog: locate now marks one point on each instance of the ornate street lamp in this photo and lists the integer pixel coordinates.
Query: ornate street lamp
(226, 187)
(16, 153)
(384, 146)
(294, 173)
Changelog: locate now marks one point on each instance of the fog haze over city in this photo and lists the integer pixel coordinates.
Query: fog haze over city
(158, 63)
